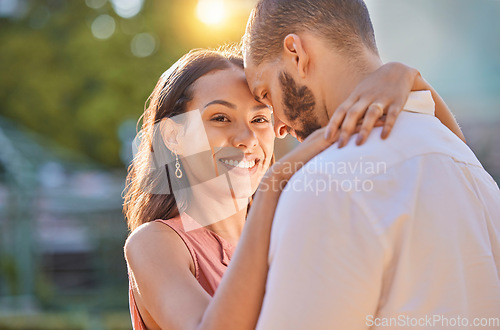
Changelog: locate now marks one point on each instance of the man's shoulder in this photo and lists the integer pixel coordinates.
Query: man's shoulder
(413, 135)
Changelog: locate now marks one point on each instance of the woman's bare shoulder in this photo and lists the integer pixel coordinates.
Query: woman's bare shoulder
(160, 263)
(155, 241)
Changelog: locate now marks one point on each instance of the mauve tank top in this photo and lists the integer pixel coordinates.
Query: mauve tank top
(210, 253)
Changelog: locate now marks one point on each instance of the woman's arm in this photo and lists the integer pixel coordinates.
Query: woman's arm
(237, 302)
(443, 113)
(389, 86)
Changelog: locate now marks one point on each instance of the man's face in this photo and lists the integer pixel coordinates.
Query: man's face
(294, 105)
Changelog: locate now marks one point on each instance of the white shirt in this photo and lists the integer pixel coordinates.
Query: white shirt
(393, 233)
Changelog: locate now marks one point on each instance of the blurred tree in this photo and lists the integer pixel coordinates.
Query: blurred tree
(59, 80)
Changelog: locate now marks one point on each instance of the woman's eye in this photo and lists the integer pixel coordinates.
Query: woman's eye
(220, 118)
(260, 120)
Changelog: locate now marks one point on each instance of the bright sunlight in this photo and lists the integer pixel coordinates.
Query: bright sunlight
(211, 12)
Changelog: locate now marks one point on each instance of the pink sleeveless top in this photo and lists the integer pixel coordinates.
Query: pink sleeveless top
(210, 252)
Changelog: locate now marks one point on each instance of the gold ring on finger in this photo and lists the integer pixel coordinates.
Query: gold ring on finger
(378, 106)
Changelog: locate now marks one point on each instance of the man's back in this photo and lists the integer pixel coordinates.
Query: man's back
(402, 232)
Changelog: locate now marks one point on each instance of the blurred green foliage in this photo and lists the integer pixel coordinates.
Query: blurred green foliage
(63, 83)
(59, 80)
(9, 273)
(67, 321)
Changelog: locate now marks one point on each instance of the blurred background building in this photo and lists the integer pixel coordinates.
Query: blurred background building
(74, 78)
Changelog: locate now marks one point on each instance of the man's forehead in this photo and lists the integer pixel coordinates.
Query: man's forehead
(252, 69)
(254, 76)
(257, 75)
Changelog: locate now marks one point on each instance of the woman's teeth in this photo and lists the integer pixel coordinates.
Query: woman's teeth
(242, 164)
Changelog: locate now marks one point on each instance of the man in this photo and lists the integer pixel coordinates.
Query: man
(397, 232)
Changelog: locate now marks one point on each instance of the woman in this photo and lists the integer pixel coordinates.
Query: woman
(217, 142)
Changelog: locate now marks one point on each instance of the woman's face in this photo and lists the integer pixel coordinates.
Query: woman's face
(239, 133)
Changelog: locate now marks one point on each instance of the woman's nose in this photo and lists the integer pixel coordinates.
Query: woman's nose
(245, 137)
(279, 128)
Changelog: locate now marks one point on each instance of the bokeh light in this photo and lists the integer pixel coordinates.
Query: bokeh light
(127, 8)
(103, 27)
(95, 4)
(143, 45)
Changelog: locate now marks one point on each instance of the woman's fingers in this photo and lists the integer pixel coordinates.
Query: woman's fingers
(374, 112)
(337, 119)
(351, 119)
(392, 114)
(365, 113)
(388, 87)
(360, 112)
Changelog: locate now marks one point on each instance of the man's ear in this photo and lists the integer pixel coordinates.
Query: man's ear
(294, 50)
(171, 132)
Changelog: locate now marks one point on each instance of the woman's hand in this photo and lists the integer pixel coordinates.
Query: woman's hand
(378, 99)
(383, 92)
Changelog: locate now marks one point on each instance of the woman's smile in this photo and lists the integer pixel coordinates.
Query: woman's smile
(243, 167)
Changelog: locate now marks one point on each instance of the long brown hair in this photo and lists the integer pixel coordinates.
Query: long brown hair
(144, 199)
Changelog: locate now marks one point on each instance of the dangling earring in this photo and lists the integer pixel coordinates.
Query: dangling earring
(178, 172)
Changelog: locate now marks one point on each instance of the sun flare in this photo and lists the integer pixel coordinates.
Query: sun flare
(211, 12)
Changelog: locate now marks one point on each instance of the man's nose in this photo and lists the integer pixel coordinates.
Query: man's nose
(280, 128)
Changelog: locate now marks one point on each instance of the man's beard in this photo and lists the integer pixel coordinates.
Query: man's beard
(298, 106)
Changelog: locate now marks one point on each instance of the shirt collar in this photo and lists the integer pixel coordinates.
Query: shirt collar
(420, 102)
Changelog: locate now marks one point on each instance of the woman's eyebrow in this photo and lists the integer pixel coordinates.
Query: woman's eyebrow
(221, 102)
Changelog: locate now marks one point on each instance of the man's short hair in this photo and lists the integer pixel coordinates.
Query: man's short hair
(345, 24)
